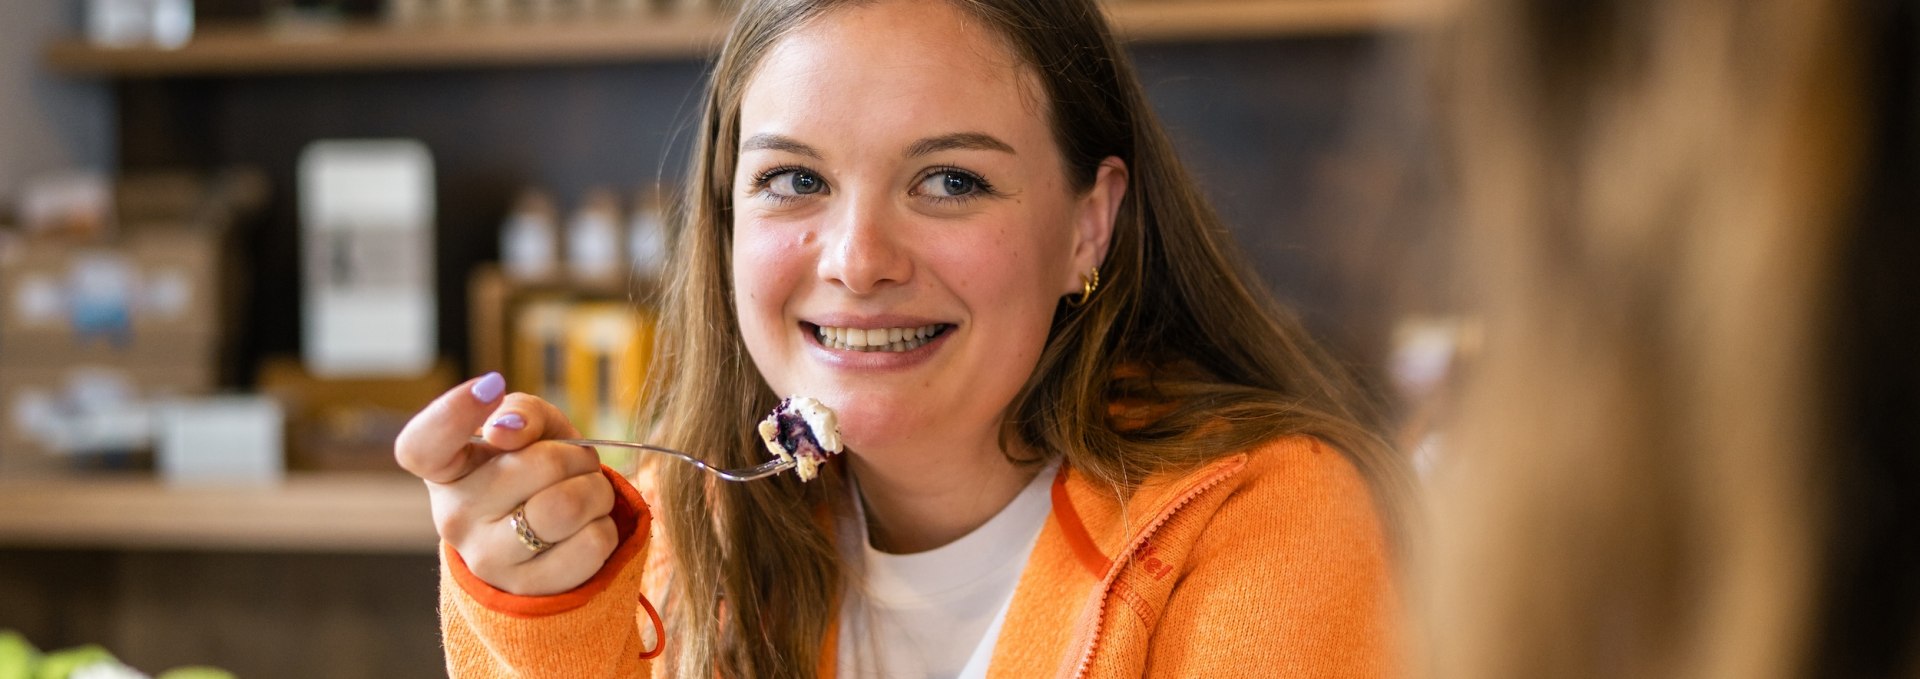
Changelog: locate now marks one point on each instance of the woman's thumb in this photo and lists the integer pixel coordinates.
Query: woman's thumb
(435, 444)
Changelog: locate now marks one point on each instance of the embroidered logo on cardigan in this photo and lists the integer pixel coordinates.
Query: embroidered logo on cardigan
(1152, 564)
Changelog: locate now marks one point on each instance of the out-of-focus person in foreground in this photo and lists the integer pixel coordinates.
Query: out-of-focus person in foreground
(1687, 448)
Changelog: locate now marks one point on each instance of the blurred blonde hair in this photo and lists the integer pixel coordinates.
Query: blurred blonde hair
(1654, 196)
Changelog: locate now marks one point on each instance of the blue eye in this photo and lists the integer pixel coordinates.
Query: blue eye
(788, 183)
(957, 184)
(804, 183)
(952, 183)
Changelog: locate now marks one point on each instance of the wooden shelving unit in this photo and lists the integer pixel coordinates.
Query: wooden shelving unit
(331, 575)
(252, 49)
(312, 512)
(389, 513)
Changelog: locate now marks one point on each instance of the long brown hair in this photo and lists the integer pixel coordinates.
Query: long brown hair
(1656, 197)
(1177, 328)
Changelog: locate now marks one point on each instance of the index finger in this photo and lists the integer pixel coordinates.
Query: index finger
(434, 444)
(521, 419)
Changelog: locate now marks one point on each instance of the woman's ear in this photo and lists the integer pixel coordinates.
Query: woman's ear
(1094, 217)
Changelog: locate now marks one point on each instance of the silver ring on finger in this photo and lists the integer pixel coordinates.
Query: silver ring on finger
(524, 530)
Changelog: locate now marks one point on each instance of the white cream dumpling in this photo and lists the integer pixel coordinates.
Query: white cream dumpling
(804, 431)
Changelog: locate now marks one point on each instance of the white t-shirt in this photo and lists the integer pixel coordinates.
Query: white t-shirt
(937, 614)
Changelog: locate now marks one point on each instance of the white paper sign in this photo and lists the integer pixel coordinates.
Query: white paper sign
(366, 222)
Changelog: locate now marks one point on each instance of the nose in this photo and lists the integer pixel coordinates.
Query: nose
(862, 253)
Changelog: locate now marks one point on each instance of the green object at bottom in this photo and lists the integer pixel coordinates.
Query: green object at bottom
(17, 657)
(61, 664)
(20, 660)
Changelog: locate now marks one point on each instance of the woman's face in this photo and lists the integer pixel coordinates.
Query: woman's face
(903, 226)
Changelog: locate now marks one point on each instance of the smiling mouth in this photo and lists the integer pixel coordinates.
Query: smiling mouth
(878, 339)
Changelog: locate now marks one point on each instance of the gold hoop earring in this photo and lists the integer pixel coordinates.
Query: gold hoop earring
(1089, 284)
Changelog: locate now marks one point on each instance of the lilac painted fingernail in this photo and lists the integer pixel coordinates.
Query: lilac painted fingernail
(489, 387)
(511, 421)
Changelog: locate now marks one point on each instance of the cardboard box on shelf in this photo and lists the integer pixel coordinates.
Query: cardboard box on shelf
(347, 424)
(487, 292)
(220, 440)
(211, 202)
(161, 196)
(96, 325)
(82, 415)
(72, 205)
(10, 243)
(87, 207)
(153, 299)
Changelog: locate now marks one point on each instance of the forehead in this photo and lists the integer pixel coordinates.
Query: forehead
(902, 68)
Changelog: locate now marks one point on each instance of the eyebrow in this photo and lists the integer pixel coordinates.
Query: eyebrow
(778, 142)
(958, 141)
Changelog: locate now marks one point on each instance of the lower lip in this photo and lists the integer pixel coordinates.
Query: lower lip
(875, 360)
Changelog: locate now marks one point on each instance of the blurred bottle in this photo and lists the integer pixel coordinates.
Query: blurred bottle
(607, 345)
(593, 237)
(540, 350)
(647, 233)
(135, 23)
(172, 23)
(530, 238)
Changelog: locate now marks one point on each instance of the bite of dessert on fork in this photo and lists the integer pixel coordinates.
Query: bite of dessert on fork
(804, 431)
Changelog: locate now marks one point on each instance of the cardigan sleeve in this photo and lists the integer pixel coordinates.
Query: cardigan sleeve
(1290, 579)
(601, 629)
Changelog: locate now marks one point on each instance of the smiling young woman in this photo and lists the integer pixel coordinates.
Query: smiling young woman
(1079, 438)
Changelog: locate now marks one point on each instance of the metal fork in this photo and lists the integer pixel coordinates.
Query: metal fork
(765, 470)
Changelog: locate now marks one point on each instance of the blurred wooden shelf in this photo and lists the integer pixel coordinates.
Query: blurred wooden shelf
(239, 49)
(333, 512)
(244, 49)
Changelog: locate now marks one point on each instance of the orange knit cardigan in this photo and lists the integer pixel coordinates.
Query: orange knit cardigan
(1268, 563)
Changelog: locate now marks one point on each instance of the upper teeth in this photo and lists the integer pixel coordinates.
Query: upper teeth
(877, 339)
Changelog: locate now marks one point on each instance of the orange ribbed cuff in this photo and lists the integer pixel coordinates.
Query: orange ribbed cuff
(631, 519)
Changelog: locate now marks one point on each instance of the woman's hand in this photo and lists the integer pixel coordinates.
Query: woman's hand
(476, 488)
